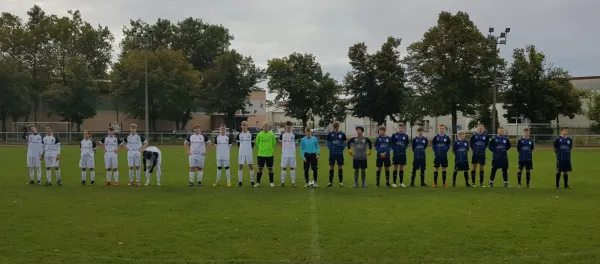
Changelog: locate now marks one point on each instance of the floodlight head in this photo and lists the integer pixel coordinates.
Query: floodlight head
(507, 30)
(503, 35)
(491, 30)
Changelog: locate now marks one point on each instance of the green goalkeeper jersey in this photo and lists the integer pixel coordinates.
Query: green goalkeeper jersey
(265, 141)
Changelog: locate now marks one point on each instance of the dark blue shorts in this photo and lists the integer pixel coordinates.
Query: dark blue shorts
(359, 164)
(419, 164)
(383, 162)
(399, 160)
(440, 162)
(500, 164)
(563, 166)
(528, 165)
(478, 159)
(463, 166)
(339, 159)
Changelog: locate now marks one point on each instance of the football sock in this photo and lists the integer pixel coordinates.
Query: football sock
(271, 176)
(481, 177)
(138, 175)
(505, 175)
(493, 175)
(528, 177)
(147, 175)
(378, 177)
(130, 175)
(258, 176)
(191, 175)
(48, 175)
(200, 175)
(473, 176)
(444, 177)
(519, 177)
(315, 172)
(387, 177)
(58, 174)
(115, 176)
(293, 174)
(31, 173)
(413, 175)
(240, 175)
(422, 176)
(557, 179)
(228, 174)
(251, 175)
(306, 175)
(108, 176)
(39, 173)
(454, 174)
(466, 174)
(356, 176)
(341, 175)
(330, 176)
(158, 174)
(435, 177)
(282, 176)
(83, 176)
(394, 176)
(566, 178)
(401, 176)
(93, 175)
(218, 175)
(363, 175)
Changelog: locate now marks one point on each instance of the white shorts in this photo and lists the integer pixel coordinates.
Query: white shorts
(86, 162)
(134, 161)
(197, 161)
(288, 162)
(33, 162)
(111, 160)
(222, 163)
(245, 159)
(51, 161)
(149, 163)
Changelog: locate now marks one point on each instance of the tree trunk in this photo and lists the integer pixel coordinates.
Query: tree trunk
(454, 121)
(177, 125)
(3, 123)
(78, 126)
(557, 125)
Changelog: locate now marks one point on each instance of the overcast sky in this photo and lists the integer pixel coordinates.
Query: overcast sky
(568, 32)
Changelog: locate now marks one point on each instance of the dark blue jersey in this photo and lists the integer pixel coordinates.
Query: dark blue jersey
(562, 148)
(336, 142)
(525, 148)
(419, 144)
(499, 146)
(479, 143)
(399, 143)
(441, 145)
(383, 144)
(460, 148)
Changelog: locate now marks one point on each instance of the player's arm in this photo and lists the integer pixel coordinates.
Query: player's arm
(369, 145)
(316, 142)
(426, 143)
(144, 159)
(532, 145)
(413, 145)
(388, 149)
(155, 154)
(57, 142)
(125, 143)
(208, 142)
(492, 145)
(252, 141)
(519, 145)
(230, 142)
(102, 140)
(472, 142)
(145, 141)
(186, 145)
(454, 147)
(238, 140)
(508, 144)
(302, 147)
(94, 146)
(274, 139)
(119, 142)
(280, 139)
(377, 146)
(327, 140)
(449, 142)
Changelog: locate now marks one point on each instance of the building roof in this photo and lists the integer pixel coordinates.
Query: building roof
(585, 78)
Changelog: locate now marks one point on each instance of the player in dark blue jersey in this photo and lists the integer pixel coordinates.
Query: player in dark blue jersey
(499, 146)
(525, 147)
(419, 144)
(460, 148)
(479, 143)
(336, 143)
(562, 148)
(383, 146)
(399, 145)
(441, 146)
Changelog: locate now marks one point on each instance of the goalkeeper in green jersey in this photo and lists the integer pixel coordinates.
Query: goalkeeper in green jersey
(265, 141)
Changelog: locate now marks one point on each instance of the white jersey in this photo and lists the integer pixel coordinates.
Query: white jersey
(51, 146)
(134, 144)
(154, 149)
(35, 147)
(197, 143)
(223, 147)
(88, 147)
(110, 143)
(246, 143)
(288, 145)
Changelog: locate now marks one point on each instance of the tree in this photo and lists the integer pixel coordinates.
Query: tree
(298, 79)
(229, 83)
(376, 82)
(593, 112)
(539, 92)
(414, 112)
(451, 66)
(484, 116)
(75, 97)
(14, 82)
(173, 85)
(332, 107)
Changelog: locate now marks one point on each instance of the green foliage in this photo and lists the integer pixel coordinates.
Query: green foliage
(228, 84)
(452, 66)
(415, 110)
(376, 81)
(14, 82)
(484, 116)
(331, 106)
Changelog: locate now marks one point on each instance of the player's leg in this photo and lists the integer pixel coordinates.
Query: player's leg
(147, 171)
(82, 164)
(219, 168)
(340, 166)
(57, 173)
(363, 173)
(130, 164)
(466, 175)
(271, 173)
(200, 166)
(387, 164)
(528, 177)
(306, 164)
(158, 174)
(401, 172)
(436, 167)
(356, 172)
(251, 168)
(482, 172)
(378, 166)
(455, 174)
(90, 166)
(395, 172)
(444, 175)
(241, 162)
(138, 172)
(520, 173)
(473, 168)
(38, 167)
(566, 169)
(314, 165)
(115, 168)
(48, 164)
(332, 161)
(31, 169)
(413, 174)
(193, 170)
(493, 173)
(292, 164)
(226, 165)
(261, 165)
(285, 163)
(108, 166)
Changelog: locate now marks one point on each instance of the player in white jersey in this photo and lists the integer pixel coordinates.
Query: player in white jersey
(35, 153)
(288, 153)
(196, 147)
(245, 142)
(111, 146)
(51, 155)
(152, 160)
(223, 144)
(86, 161)
(135, 144)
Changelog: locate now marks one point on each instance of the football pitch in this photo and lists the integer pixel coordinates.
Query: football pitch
(174, 223)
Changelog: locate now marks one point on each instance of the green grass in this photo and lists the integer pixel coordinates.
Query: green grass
(177, 224)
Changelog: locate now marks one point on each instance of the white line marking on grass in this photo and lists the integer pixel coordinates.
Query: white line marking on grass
(315, 248)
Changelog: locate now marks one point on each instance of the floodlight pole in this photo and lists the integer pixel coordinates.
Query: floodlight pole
(498, 40)
(144, 40)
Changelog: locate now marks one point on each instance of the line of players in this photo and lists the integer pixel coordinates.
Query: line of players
(359, 147)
